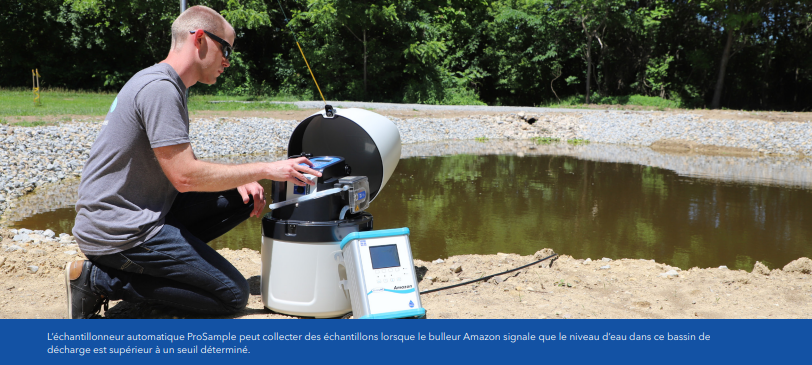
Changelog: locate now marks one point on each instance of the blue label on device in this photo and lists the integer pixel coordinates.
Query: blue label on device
(361, 195)
(320, 163)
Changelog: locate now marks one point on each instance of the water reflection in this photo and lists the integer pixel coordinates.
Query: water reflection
(475, 204)
(488, 204)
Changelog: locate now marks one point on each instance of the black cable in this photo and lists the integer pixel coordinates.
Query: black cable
(489, 276)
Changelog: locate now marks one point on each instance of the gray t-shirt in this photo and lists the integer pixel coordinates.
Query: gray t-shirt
(124, 194)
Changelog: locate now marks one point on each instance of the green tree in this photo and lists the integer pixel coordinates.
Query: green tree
(734, 18)
(740, 54)
(593, 17)
(525, 47)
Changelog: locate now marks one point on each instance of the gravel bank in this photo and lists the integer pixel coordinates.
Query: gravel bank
(31, 157)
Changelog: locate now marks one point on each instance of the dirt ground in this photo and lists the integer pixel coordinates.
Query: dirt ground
(571, 288)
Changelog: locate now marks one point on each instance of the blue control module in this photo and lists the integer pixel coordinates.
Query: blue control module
(322, 162)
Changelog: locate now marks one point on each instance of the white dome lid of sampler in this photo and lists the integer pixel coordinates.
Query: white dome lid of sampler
(368, 142)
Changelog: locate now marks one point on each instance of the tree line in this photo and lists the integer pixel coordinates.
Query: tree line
(742, 54)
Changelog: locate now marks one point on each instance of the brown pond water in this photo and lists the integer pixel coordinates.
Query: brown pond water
(469, 204)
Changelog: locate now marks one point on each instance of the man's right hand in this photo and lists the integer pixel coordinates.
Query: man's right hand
(291, 171)
(186, 173)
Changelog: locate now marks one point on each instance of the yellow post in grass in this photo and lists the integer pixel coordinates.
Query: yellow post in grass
(35, 80)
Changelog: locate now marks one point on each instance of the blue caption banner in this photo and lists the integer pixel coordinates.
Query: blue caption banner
(402, 341)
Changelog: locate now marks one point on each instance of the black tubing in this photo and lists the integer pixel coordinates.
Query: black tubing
(489, 276)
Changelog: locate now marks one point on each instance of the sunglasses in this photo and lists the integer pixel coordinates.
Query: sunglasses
(226, 48)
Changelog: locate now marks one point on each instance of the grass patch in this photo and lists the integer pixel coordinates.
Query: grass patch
(36, 123)
(576, 141)
(58, 102)
(200, 103)
(20, 102)
(637, 100)
(545, 140)
(26, 123)
(481, 139)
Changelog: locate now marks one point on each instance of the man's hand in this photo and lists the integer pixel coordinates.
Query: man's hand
(189, 174)
(256, 191)
(291, 171)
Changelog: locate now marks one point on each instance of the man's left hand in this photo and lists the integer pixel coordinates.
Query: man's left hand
(256, 191)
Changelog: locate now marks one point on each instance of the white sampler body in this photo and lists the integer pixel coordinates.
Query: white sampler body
(301, 279)
(380, 275)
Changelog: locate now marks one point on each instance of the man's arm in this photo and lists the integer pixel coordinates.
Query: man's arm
(189, 174)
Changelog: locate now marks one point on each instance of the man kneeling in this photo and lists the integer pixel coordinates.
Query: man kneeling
(147, 207)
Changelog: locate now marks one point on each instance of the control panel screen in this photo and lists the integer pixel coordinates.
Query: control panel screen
(384, 256)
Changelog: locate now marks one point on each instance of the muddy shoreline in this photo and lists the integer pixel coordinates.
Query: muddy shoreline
(33, 287)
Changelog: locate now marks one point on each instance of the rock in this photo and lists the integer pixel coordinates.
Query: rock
(438, 261)
(33, 269)
(456, 269)
(2, 261)
(606, 259)
(430, 278)
(760, 268)
(496, 280)
(540, 254)
(670, 274)
(802, 265)
(547, 252)
(70, 252)
(49, 233)
(605, 267)
(587, 261)
(723, 267)
(22, 238)
(12, 248)
(419, 271)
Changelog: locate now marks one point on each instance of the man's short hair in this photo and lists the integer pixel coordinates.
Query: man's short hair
(194, 18)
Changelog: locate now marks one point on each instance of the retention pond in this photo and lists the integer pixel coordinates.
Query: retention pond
(589, 201)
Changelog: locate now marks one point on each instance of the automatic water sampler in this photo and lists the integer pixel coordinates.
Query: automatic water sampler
(305, 271)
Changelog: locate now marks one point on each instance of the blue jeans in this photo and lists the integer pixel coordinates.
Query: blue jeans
(176, 267)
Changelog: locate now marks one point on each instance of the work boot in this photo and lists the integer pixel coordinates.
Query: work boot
(82, 301)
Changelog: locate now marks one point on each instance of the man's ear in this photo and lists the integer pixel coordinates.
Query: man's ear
(198, 39)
